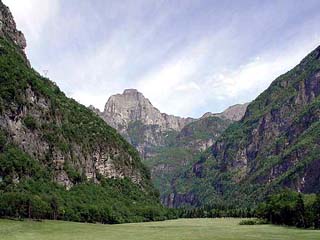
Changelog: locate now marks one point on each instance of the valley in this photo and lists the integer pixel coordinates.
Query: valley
(131, 171)
(168, 145)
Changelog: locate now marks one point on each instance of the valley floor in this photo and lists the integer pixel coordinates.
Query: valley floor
(187, 229)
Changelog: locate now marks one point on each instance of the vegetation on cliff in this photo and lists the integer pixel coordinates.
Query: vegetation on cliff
(28, 183)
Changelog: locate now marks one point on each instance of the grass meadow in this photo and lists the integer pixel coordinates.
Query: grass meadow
(184, 229)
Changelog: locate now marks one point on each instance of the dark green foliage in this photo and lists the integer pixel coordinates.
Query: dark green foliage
(252, 222)
(30, 122)
(202, 129)
(3, 140)
(26, 191)
(15, 163)
(300, 212)
(292, 209)
(316, 212)
(74, 175)
(106, 203)
(217, 211)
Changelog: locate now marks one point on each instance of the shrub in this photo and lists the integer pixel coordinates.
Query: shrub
(248, 222)
(30, 122)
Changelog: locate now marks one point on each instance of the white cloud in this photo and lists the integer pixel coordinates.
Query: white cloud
(257, 74)
(173, 80)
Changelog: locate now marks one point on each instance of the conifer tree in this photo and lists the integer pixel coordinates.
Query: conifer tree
(316, 209)
(300, 212)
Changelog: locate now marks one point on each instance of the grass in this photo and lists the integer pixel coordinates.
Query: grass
(186, 229)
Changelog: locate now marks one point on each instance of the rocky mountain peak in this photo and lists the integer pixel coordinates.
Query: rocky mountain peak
(9, 30)
(233, 113)
(132, 106)
(131, 91)
(8, 27)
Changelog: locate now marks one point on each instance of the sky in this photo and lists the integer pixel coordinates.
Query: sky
(188, 57)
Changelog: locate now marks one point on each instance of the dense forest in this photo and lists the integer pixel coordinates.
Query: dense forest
(292, 209)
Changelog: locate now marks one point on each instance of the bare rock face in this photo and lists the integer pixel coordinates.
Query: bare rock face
(233, 113)
(100, 159)
(8, 29)
(131, 106)
(143, 125)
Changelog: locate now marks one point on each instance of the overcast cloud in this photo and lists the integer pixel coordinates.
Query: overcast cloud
(187, 57)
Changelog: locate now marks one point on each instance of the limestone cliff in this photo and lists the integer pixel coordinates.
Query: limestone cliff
(233, 113)
(139, 121)
(132, 106)
(8, 30)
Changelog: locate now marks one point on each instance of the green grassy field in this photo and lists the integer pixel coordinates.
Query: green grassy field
(186, 229)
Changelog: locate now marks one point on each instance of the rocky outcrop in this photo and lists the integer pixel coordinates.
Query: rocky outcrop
(132, 106)
(8, 30)
(8, 27)
(143, 125)
(176, 200)
(233, 113)
(146, 127)
(103, 158)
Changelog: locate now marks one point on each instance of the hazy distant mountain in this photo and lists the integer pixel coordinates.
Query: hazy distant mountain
(233, 113)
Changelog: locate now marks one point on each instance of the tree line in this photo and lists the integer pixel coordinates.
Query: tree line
(291, 209)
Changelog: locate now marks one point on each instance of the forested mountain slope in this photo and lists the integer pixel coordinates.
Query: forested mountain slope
(275, 145)
(57, 158)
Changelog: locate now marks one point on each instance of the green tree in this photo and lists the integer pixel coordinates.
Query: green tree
(55, 207)
(300, 212)
(316, 210)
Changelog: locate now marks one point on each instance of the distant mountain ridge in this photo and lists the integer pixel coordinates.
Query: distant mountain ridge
(129, 110)
(233, 113)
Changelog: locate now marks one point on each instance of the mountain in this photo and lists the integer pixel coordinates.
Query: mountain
(275, 145)
(233, 113)
(57, 158)
(139, 121)
(168, 144)
(181, 151)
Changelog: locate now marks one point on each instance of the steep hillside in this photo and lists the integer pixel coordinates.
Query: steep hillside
(50, 144)
(275, 145)
(180, 152)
